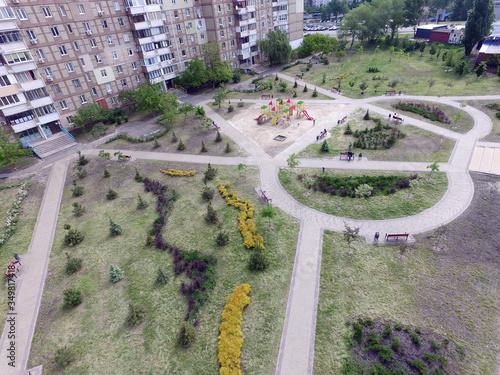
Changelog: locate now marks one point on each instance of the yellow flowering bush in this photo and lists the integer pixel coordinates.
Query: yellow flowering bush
(246, 225)
(231, 338)
(175, 172)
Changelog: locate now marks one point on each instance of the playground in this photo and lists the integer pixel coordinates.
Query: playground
(263, 135)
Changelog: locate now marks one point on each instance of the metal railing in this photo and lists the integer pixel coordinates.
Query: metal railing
(67, 132)
(28, 145)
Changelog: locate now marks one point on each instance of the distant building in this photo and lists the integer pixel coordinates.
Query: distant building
(490, 46)
(441, 33)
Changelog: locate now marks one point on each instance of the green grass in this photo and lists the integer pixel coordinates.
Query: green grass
(494, 136)
(463, 125)
(372, 281)
(96, 329)
(22, 163)
(413, 75)
(418, 146)
(403, 203)
(20, 241)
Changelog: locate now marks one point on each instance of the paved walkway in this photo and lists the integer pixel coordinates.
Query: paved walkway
(297, 345)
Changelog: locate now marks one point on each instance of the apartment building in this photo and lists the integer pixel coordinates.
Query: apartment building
(79, 52)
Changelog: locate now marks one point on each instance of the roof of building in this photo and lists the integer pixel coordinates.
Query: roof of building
(490, 49)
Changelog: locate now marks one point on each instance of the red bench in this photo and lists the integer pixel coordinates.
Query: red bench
(343, 119)
(335, 89)
(264, 96)
(344, 156)
(396, 237)
(398, 119)
(266, 197)
(216, 127)
(390, 93)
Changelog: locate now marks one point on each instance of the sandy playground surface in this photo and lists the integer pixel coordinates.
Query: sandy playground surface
(326, 116)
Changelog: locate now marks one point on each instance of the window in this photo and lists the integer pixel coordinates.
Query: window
(4, 81)
(235, 65)
(21, 14)
(87, 28)
(76, 45)
(9, 99)
(181, 40)
(83, 99)
(126, 38)
(176, 13)
(98, 58)
(183, 53)
(104, 73)
(222, 33)
(69, 119)
(230, 20)
(173, 2)
(110, 40)
(188, 13)
(70, 29)
(81, 9)
(138, 79)
(48, 72)
(202, 36)
(46, 12)
(134, 66)
(88, 77)
(69, 67)
(231, 31)
(121, 22)
(192, 38)
(223, 45)
(63, 51)
(31, 34)
(82, 61)
(186, 65)
(124, 82)
(232, 43)
(105, 24)
(228, 7)
(114, 54)
(76, 83)
(219, 8)
(189, 26)
(233, 54)
(179, 29)
(17, 57)
(221, 22)
(92, 43)
(62, 10)
(56, 89)
(94, 91)
(116, 5)
(54, 31)
(119, 69)
(113, 100)
(194, 51)
(224, 57)
(130, 52)
(63, 104)
(263, 35)
(99, 8)
(108, 88)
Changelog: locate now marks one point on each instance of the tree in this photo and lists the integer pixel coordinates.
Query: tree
(268, 212)
(10, 151)
(220, 95)
(434, 167)
(412, 11)
(461, 68)
(325, 147)
(241, 167)
(422, 48)
(350, 234)
(115, 273)
(217, 70)
(276, 47)
(479, 22)
(481, 68)
(88, 114)
(460, 9)
(194, 76)
(498, 71)
(431, 83)
(293, 161)
(314, 43)
(185, 108)
(336, 7)
(397, 16)
(339, 54)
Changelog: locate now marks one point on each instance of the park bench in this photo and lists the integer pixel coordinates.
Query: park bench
(343, 119)
(344, 156)
(396, 237)
(335, 89)
(398, 119)
(266, 96)
(393, 92)
(216, 127)
(298, 76)
(322, 135)
(266, 197)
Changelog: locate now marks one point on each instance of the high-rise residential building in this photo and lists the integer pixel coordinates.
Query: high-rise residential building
(58, 55)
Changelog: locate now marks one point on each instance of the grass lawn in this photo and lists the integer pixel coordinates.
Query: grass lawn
(412, 75)
(403, 203)
(22, 163)
(446, 283)
(494, 136)
(21, 239)
(461, 122)
(96, 329)
(419, 145)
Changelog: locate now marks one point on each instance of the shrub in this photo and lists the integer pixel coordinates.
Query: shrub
(203, 146)
(377, 369)
(437, 372)
(210, 173)
(72, 297)
(73, 264)
(181, 145)
(115, 273)
(105, 155)
(420, 365)
(174, 137)
(295, 85)
(77, 191)
(82, 172)
(141, 203)
(236, 77)
(305, 88)
(64, 357)
(99, 129)
(358, 332)
(73, 237)
(407, 329)
(418, 330)
(367, 115)
(498, 115)
(461, 351)
(78, 209)
(207, 193)
(398, 327)
(136, 315)
(218, 137)
(82, 160)
(106, 173)
(387, 331)
(222, 239)
(397, 346)
(138, 177)
(364, 190)
(258, 260)
(241, 104)
(162, 276)
(315, 93)
(325, 147)
(200, 112)
(372, 339)
(230, 108)
(211, 215)
(187, 334)
(415, 339)
(294, 94)
(435, 345)
(348, 129)
(228, 148)
(115, 229)
(111, 194)
(430, 357)
(385, 354)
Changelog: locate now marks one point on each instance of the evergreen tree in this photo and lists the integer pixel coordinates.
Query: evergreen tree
(325, 147)
(478, 26)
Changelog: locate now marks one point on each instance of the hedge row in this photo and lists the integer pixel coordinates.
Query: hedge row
(231, 337)
(179, 173)
(138, 140)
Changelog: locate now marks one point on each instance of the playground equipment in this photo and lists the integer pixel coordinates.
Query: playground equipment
(279, 111)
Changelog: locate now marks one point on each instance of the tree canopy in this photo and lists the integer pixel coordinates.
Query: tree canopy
(217, 70)
(10, 151)
(412, 12)
(194, 76)
(314, 43)
(276, 47)
(460, 9)
(88, 114)
(334, 7)
(479, 22)
(147, 97)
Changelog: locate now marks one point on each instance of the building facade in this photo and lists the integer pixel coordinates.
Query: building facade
(58, 55)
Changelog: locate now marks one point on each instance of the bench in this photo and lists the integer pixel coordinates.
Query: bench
(266, 96)
(390, 92)
(321, 135)
(266, 197)
(216, 127)
(396, 237)
(344, 155)
(343, 120)
(298, 77)
(335, 89)
(398, 119)
(12, 269)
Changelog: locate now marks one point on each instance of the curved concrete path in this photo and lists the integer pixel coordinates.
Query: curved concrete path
(296, 352)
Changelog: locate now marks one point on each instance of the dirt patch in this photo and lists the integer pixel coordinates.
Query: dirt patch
(326, 115)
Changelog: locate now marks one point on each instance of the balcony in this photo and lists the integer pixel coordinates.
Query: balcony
(40, 102)
(12, 109)
(31, 85)
(54, 116)
(23, 126)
